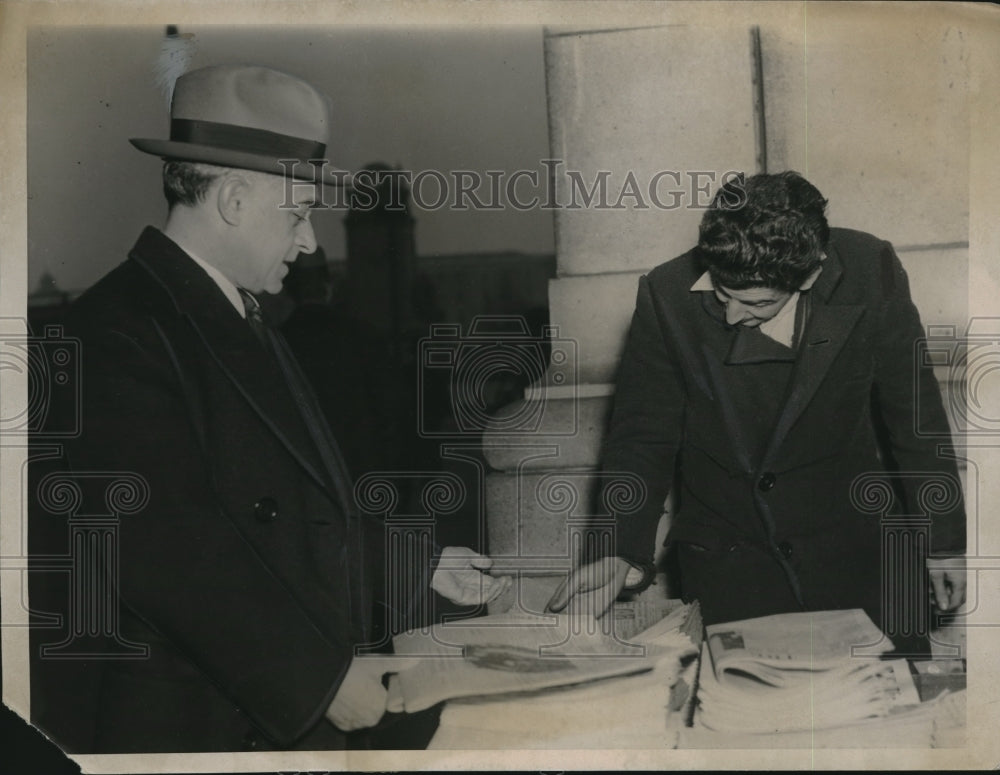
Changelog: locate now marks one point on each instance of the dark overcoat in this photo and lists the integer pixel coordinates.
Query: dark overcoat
(779, 453)
(248, 572)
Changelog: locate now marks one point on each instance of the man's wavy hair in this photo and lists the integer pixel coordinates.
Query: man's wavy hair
(765, 231)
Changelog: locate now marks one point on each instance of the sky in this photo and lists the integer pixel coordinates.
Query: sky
(426, 99)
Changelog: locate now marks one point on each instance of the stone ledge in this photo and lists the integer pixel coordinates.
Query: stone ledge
(572, 427)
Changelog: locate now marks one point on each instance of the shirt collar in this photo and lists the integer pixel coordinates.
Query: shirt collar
(225, 284)
(781, 328)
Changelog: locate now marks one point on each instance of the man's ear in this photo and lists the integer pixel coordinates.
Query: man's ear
(230, 198)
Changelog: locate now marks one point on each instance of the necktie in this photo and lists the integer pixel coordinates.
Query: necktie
(276, 347)
(255, 318)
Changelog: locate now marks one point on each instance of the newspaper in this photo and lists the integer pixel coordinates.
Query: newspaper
(939, 723)
(634, 711)
(509, 653)
(775, 649)
(797, 672)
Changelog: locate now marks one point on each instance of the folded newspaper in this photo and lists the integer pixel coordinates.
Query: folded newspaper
(632, 711)
(798, 671)
(518, 654)
(774, 648)
(938, 723)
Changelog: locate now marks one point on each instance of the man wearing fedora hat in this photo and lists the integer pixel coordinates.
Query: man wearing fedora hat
(247, 573)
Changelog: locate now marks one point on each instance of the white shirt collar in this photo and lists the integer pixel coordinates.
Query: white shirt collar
(224, 283)
(780, 328)
(703, 283)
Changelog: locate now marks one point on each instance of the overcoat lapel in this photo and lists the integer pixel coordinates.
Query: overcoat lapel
(716, 347)
(750, 345)
(738, 443)
(826, 333)
(231, 343)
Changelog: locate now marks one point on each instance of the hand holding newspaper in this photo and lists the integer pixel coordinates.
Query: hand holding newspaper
(519, 653)
(508, 653)
(631, 711)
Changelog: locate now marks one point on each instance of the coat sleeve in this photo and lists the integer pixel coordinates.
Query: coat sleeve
(185, 568)
(646, 429)
(908, 400)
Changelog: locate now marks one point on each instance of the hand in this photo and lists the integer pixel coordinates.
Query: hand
(948, 582)
(460, 577)
(360, 701)
(591, 588)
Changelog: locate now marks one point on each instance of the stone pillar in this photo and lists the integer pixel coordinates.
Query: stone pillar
(644, 124)
(885, 132)
(890, 152)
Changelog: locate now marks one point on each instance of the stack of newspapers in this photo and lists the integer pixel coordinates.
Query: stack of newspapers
(815, 677)
(547, 681)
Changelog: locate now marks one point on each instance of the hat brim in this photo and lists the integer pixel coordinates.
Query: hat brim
(313, 171)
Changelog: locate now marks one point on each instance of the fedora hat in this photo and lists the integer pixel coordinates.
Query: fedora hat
(251, 118)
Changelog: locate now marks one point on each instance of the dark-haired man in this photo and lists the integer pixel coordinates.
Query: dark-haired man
(248, 572)
(758, 367)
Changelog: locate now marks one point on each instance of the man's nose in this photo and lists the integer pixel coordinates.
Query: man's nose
(736, 313)
(305, 238)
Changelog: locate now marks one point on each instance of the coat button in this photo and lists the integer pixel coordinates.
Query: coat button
(786, 550)
(265, 510)
(766, 482)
